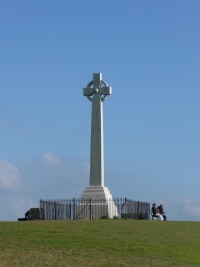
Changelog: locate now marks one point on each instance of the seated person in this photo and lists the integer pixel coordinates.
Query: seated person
(155, 212)
(161, 211)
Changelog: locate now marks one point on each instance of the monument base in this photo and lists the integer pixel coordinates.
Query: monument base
(96, 192)
(96, 203)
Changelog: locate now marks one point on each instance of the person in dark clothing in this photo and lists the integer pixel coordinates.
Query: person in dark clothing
(27, 214)
(161, 211)
(155, 212)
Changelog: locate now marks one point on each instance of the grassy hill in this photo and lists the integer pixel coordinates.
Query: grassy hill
(99, 243)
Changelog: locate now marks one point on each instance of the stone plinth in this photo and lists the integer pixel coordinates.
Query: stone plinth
(96, 192)
(96, 203)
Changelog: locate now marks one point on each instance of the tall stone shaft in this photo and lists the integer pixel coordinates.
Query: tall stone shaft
(97, 95)
(97, 143)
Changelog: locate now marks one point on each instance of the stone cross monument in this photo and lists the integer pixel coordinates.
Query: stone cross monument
(97, 95)
(97, 91)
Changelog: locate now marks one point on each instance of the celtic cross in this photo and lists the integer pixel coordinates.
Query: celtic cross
(97, 91)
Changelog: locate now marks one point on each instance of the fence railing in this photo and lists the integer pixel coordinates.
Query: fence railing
(72, 209)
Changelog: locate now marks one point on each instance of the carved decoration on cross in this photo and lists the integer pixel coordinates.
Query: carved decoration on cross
(99, 87)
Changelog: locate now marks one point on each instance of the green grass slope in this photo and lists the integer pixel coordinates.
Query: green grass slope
(99, 243)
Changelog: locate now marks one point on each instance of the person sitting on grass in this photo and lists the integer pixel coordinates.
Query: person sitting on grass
(156, 213)
(161, 211)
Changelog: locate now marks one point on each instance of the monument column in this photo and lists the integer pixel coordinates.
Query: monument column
(97, 95)
(99, 197)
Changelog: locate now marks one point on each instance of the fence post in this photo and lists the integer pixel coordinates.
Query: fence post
(73, 208)
(55, 211)
(90, 208)
(70, 211)
(138, 210)
(149, 207)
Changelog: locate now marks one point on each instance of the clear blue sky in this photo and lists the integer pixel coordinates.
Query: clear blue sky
(149, 52)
